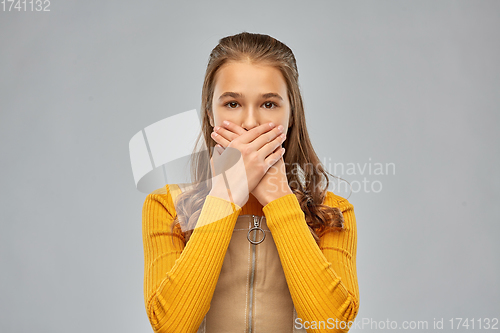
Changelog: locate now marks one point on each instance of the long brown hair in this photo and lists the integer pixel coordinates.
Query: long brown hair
(306, 175)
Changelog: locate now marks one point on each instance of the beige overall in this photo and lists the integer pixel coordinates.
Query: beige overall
(251, 295)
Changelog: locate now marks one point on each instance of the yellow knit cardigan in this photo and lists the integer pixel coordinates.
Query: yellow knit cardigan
(180, 280)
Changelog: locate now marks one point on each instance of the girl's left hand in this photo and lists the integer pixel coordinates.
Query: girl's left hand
(274, 184)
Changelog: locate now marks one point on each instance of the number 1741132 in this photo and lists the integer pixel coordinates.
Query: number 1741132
(25, 5)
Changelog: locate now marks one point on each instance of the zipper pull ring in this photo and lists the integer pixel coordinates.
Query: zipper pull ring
(256, 226)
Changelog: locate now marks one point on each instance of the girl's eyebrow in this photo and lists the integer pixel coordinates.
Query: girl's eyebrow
(238, 95)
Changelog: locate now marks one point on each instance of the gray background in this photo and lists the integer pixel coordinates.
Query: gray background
(414, 83)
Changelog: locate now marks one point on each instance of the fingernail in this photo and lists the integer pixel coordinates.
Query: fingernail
(214, 134)
(216, 128)
(271, 124)
(283, 136)
(225, 122)
(280, 128)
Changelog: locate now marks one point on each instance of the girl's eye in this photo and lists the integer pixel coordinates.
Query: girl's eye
(231, 103)
(267, 103)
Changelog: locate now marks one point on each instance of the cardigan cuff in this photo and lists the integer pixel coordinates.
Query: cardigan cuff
(283, 210)
(216, 209)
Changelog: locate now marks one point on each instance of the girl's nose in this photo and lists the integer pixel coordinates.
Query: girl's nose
(249, 120)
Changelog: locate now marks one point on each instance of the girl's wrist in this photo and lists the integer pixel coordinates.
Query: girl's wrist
(222, 192)
(272, 195)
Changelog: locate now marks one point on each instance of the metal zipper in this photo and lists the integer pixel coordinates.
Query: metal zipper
(256, 226)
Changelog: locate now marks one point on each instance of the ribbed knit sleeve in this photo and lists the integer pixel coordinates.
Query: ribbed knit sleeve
(322, 280)
(180, 282)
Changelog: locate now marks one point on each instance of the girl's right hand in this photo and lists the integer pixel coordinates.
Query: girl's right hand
(247, 157)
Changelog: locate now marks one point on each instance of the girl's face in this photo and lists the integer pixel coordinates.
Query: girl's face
(250, 95)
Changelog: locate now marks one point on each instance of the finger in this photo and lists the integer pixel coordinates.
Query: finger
(275, 156)
(233, 128)
(220, 148)
(254, 133)
(268, 147)
(220, 139)
(266, 138)
(225, 133)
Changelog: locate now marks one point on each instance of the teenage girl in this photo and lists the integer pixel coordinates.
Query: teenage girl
(262, 247)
